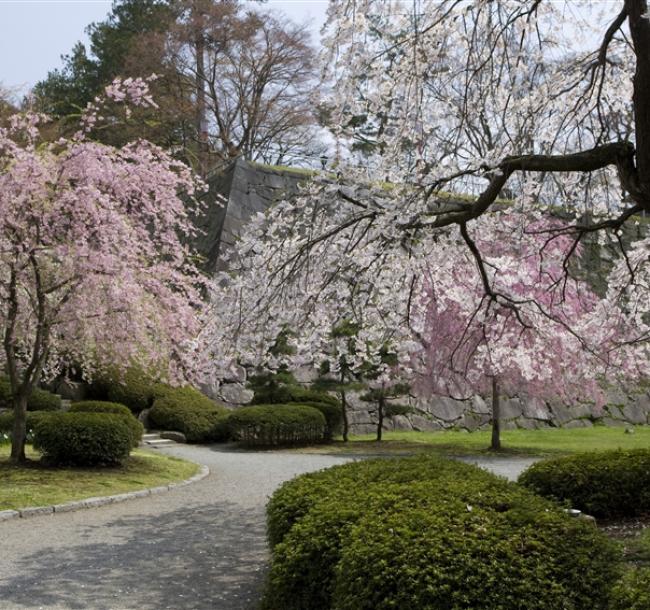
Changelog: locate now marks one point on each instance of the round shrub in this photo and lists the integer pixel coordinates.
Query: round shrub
(97, 406)
(632, 592)
(83, 439)
(423, 533)
(270, 425)
(188, 411)
(604, 484)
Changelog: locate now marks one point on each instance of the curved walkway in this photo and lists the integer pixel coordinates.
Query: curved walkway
(199, 547)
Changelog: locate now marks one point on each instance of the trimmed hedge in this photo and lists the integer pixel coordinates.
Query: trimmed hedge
(605, 484)
(97, 406)
(40, 400)
(428, 534)
(327, 404)
(83, 439)
(269, 425)
(188, 411)
(632, 592)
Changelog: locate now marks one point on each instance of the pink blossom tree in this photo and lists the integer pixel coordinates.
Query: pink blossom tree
(93, 266)
(514, 321)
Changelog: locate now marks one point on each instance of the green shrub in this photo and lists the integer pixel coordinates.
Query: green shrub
(270, 425)
(97, 406)
(133, 387)
(632, 592)
(283, 393)
(333, 416)
(40, 400)
(605, 484)
(33, 417)
(83, 439)
(425, 533)
(188, 411)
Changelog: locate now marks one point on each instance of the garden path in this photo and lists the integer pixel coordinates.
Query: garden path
(199, 547)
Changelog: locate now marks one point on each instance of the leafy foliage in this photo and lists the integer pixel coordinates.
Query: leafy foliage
(632, 592)
(39, 400)
(83, 439)
(277, 424)
(426, 533)
(134, 388)
(605, 484)
(188, 411)
(97, 406)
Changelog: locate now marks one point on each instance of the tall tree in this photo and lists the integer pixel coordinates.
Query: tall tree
(93, 269)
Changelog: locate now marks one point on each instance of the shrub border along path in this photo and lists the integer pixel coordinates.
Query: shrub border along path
(34, 511)
(208, 541)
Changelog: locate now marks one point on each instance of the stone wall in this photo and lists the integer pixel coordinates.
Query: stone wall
(441, 413)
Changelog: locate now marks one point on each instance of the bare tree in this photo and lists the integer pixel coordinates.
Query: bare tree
(254, 78)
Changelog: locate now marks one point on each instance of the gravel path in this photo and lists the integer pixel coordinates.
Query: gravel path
(194, 548)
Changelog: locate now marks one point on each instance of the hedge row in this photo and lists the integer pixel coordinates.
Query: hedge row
(425, 533)
(134, 388)
(327, 404)
(188, 411)
(271, 425)
(40, 400)
(96, 406)
(83, 439)
(606, 484)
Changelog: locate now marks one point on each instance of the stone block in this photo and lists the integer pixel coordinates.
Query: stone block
(561, 413)
(234, 373)
(578, 423)
(36, 511)
(401, 422)
(173, 435)
(424, 424)
(446, 409)
(511, 408)
(363, 429)
(473, 421)
(533, 408)
(478, 405)
(613, 423)
(5, 515)
(613, 411)
(525, 423)
(235, 394)
(637, 410)
(71, 390)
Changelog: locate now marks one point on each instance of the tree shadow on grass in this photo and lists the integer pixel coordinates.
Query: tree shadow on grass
(210, 557)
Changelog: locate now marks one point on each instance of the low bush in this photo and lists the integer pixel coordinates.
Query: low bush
(83, 439)
(425, 533)
(632, 592)
(33, 417)
(327, 404)
(97, 406)
(269, 425)
(133, 387)
(40, 400)
(604, 484)
(188, 411)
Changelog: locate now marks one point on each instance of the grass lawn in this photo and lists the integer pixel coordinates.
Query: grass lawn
(37, 485)
(552, 441)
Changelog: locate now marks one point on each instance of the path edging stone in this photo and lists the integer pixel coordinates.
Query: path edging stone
(67, 507)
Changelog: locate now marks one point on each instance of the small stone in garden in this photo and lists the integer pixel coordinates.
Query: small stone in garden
(629, 430)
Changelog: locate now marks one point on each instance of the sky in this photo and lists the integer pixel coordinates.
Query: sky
(35, 33)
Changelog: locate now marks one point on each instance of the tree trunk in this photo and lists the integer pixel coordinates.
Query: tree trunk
(201, 120)
(380, 417)
(19, 430)
(344, 413)
(496, 417)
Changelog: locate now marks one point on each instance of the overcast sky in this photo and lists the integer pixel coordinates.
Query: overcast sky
(35, 33)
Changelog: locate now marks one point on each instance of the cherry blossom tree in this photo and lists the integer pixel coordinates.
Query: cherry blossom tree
(514, 322)
(93, 266)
